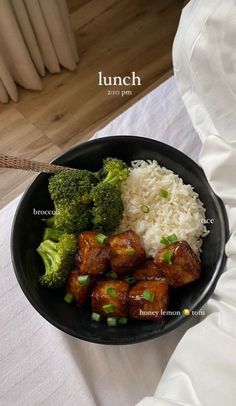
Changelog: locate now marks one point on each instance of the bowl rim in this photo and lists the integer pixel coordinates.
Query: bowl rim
(207, 292)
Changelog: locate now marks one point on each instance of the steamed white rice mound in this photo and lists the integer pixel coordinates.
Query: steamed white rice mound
(181, 213)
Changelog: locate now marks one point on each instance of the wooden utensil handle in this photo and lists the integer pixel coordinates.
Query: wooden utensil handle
(7, 161)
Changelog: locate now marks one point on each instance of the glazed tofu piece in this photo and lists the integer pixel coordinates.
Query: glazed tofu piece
(80, 289)
(149, 299)
(178, 263)
(92, 257)
(148, 271)
(110, 298)
(126, 252)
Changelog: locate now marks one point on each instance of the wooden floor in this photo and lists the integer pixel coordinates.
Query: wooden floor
(115, 36)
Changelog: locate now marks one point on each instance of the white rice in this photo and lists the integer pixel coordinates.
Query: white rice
(181, 213)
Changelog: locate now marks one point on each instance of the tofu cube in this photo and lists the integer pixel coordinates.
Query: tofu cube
(148, 271)
(126, 252)
(110, 298)
(92, 257)
(178, 263)
(81, 292)
(149, 299)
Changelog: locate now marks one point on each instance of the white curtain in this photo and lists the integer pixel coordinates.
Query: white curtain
(35, 37)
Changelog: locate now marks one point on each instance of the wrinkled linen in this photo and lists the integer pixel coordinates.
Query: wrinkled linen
(202, 369)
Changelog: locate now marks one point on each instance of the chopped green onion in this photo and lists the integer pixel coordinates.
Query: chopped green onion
(164, 241)
(148, 295)
(167, 257)
(130, 279)
(145, 209)
(109, 308)
(123, 320)
(164, 193)
(96, 317)
(84, 280)
(111, 275)
(69, 298)
(130, 251)
(112, 321)
(112, 292)
(171, 239)
(101, 238)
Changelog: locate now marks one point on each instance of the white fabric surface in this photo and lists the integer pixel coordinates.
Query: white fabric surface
(39, 364)
(202, 370)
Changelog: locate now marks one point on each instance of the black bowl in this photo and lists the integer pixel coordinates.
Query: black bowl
(27, 233)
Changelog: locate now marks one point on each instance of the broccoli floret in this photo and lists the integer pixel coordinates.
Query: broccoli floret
(71, 194)
(114, 171)
(72, 217)
(66, 186)
(108, 206)
(58, 258)
(80, 201)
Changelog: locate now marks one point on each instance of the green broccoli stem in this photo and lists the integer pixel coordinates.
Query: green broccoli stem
(49, 221)
(52, 234)
(111, 178)
(58, 259)
(49, 247)
(46, 259)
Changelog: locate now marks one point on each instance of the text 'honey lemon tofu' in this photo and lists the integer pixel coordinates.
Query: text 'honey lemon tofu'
(178, 264)
(148, 300)
(92, 257)
(126, 252)
(110, 298)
